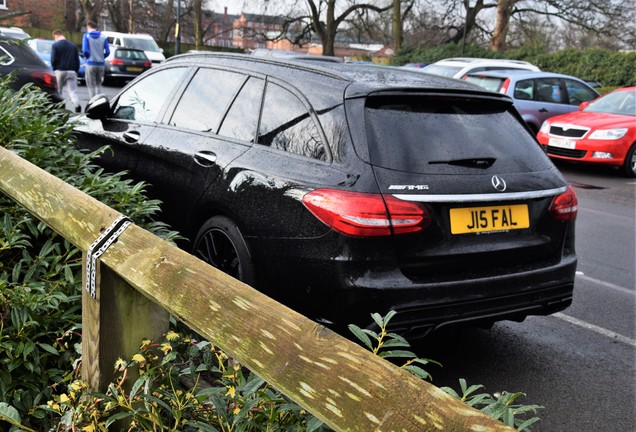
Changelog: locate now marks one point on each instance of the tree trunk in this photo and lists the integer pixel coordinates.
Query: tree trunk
(198, 34)
(504, 10)
(398, 37)
(471, 18)
(329, 31)
(91, 10)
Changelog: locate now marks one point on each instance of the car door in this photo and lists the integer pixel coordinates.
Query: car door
(133, 116)
(577, 93)
(186, 153)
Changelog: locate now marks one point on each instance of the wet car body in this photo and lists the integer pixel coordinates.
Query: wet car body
(20, 59)
(328, 212)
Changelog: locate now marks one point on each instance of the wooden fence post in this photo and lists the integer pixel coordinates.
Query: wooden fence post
(113, 325)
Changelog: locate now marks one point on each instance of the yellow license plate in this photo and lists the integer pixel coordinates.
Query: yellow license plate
(134, 69)
(485, 219)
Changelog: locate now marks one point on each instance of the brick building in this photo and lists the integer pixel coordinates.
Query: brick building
(39, 13)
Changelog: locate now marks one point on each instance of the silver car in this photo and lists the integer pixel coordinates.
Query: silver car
(537, 95)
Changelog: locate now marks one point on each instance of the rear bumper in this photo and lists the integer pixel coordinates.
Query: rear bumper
(424, 307)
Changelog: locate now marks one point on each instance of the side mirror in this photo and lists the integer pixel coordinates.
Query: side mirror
(98, 107)
(583, 105)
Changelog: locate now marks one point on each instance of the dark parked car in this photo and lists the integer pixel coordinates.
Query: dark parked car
(537, 95)
(18, 57)
(346, 190)
(125, 64)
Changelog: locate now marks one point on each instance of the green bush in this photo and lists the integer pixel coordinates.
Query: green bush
(40, 272)
(183, 384)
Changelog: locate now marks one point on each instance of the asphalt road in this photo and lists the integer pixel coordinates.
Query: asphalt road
(578, 364)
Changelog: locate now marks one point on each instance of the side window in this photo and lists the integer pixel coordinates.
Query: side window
(111, 40)
(242, 117)
(287, 125)
(206, 100)
(548, 90)
(577, 92)
(143, 101)
(334, 125)
(5, 57)
(524, 90)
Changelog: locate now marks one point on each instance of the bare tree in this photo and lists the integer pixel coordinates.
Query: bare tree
(91, 9)
(608, 17)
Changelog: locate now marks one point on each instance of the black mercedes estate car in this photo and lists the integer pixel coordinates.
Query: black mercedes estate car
(343, 190)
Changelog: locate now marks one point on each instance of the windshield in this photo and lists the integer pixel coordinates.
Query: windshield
(619, 102)
(44, 46)
(448, 136)
(142, 44)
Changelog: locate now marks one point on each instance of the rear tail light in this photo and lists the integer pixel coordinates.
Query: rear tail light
(45, 79)
(504, 86)
(117, 62)
(366, 215)
(564, 207)
(148, 64)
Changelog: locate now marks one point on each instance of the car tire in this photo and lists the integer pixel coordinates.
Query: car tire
(629, 166)
(219, 243)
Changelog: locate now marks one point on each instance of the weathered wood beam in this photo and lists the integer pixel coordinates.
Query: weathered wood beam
(344, 385)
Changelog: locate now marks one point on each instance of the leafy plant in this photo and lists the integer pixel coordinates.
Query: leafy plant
(40, 272)
(183, 384)
(499, 406)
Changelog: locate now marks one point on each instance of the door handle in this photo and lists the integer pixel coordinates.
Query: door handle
(205, 158)
(543, 110)
(131, 137)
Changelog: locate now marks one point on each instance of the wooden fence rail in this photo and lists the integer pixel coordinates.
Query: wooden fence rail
(141, 278)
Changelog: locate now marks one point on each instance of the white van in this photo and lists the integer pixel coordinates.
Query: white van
(139, 41)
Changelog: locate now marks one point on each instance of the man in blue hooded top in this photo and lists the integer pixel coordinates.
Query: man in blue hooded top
(95, 48)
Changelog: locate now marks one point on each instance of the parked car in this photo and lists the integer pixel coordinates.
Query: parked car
(537, 95)
(14, 33)
(459, 67)
(19, 58)
(600, 132)
(344, 190)
(140, 41)
(42, 48)
(294, 55)
(125, 64)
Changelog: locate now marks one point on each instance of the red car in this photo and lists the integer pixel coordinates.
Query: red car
(602, 131)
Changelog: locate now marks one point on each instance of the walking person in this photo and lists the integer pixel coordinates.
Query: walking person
(65, 63)
(95, 48)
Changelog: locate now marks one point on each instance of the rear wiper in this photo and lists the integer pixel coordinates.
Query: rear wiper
(483, 163)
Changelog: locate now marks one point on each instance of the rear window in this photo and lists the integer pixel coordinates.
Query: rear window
(492, 84)
(130, 54)
(443, 136)
(447, 71)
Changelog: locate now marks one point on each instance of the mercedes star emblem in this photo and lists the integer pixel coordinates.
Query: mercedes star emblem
(498, 183)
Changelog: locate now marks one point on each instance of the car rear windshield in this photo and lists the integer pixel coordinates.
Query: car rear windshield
(440, 135)
(492, 84)
(130, 54)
